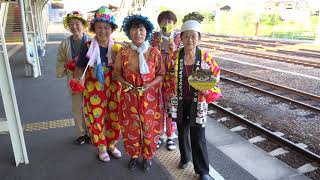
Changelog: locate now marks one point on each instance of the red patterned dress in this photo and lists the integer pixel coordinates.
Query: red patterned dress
(141, 115)
(101, 104)
(167, 55)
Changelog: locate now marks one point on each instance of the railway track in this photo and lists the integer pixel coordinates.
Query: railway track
(297, 155)
(265, 56)
(287, 151)
(305, 100)
(253, 45)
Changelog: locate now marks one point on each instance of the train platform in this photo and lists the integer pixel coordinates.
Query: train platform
(45, 107)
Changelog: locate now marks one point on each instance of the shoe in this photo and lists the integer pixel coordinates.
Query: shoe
(80, 140)
(205, 177)
(183, 165)
(115, 152)
(104, 156)
(171, 145)
(87, 139)
(132, 165)
(160, 142)
(147, 165)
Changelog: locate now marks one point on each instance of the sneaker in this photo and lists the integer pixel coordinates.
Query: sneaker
(80, 140)
(132, 165)
(147, 165)
(160, 142)
(171, 145)
(205, 177)
(183, 165)
(87, 139)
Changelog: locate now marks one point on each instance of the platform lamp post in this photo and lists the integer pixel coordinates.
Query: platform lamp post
(317, 41)
(258, 13)
(217, 20)
(257, 22)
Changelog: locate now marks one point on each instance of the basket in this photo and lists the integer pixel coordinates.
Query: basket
(202, 80)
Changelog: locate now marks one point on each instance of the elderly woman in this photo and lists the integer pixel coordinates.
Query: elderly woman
(101, 93)
(167, 40)
(67, 57)
(140, 70)
(192, 103)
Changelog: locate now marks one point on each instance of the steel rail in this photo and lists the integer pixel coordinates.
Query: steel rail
(266, 56)
(308, 154)
(307, 96)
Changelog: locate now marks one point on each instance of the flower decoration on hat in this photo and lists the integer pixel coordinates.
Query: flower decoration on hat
(129, 20)
(104, 14)
(74, 15)
(193, 16)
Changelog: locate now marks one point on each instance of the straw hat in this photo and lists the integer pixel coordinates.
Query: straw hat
(74, 15)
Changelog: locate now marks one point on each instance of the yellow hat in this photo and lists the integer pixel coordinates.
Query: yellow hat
(74, 15)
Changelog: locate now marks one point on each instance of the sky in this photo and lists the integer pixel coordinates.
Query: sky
(87, 5)
(188, 5)
(83, 5)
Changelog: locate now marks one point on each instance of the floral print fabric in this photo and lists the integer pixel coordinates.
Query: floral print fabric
(101, 105)
(141, 115)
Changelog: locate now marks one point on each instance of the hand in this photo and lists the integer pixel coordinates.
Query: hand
(146, 87)
(172, 45)
(134, 91)
(204, 92)
(126, 86)
(142, 89)
(81, 81)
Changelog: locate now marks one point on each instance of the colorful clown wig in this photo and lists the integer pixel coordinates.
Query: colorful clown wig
(103, 14)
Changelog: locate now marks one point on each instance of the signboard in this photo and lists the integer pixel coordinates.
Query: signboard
(57, 4)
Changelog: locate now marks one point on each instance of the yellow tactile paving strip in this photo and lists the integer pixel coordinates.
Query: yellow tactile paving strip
(38, 126)
(170, 159)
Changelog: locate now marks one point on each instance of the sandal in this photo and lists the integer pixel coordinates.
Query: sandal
(104, 156)
(115, 152)
(171, 145)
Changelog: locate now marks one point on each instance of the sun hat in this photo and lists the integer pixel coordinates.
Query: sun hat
(74, 15)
